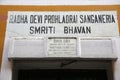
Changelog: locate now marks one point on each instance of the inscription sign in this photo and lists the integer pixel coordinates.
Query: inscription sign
(61, 46)
(70, 23)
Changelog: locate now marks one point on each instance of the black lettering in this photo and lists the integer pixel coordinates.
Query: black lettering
(81, 19)
(88, 29)
(65, 29)
(31, 29)
(113, 19)
(11, 19)
(37, 30)
(77, 29)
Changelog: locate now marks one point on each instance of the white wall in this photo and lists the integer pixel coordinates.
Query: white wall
(6, 73)
(117, 63)
(59, 2)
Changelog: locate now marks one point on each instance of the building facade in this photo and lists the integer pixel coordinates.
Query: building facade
(58, 40)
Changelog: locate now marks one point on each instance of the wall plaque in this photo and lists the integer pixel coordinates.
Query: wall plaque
(59, 46)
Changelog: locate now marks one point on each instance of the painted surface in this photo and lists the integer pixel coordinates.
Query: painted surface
(5, 9)
(59, 2)
(3, 19)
